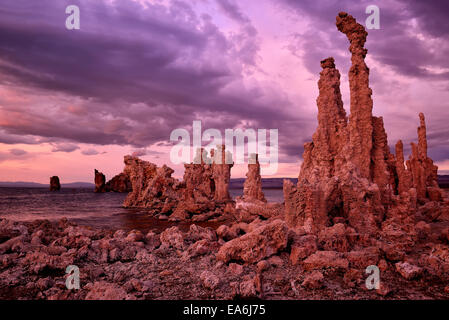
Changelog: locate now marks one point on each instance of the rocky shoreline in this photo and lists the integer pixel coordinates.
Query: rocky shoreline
(263, 259)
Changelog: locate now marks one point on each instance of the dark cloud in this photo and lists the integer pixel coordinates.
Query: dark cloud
(137, 73)
(231, 9)
(132, 74)
(412, 42)
(432, 15)
(64, 147)
(397, 43)
(7, 138)
(139, 153)
(90, 152)
(17, 152)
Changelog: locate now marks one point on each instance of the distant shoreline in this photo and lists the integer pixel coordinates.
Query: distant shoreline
(237, 183)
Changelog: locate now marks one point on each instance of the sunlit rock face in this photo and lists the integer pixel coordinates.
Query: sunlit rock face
(152, 186)
(204, 189)
(348, 173)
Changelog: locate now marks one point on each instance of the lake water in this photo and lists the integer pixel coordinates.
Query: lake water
(85, 207)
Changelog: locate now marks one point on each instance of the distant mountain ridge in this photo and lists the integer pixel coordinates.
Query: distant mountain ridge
(237, 183)
(23, 184)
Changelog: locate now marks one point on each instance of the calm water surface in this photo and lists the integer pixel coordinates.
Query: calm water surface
(84, 207)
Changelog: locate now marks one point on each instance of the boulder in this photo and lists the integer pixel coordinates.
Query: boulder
(259, 244)
(325, 260)
(408, 271)
(302, 247)
(106, 291)
(313, 280)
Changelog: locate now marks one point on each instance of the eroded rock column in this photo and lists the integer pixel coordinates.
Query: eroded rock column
(55, 185)
(100, 182)
(360, 119)
(221, 173)
(252, 188)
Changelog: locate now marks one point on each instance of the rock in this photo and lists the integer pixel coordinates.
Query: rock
(120, 234)
(393, 253)
(100, 181)
(383, 265)
(152, 187)
(153, 240)
(38, 262)
(55, 185)
(197, 233)
(404, 176)
(363, 258)
(221, 173)
(12, 245)
(203, 191)
(172, 237)
(225, 233)
(262, 266)
(431, 211)
(302, 247)
(314, 280)
(361, 127)
(424, 172)
(235, 269)
(352, 277)
(248, 289)
(384, 289)
(259, 244)
(445, 235)
(348, 174)
(206, 183)
(407, 270)
(259, 284)
(326, 259)
(44, 283)
(134, 236)
(334, 238)
(136, 284)
(199, 248)
(119, 183)
(209, 280)
(36, 240)
(148, 285)
(275, 261)
(436, 262)
(434, 193)
(423, 230)
(106, 291)
(252, 187)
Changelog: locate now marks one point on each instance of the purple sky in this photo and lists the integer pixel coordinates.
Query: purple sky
(72, 101)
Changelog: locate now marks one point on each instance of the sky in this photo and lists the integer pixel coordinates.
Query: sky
(72, 101)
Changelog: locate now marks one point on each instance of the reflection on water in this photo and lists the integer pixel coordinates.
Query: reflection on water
(84, 207)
